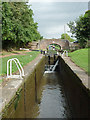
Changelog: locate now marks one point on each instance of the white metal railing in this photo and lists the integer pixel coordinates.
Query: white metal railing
(65, 53)
(55, 65)
(9, 71)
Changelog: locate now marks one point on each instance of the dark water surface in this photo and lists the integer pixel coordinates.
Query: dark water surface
(52, 102)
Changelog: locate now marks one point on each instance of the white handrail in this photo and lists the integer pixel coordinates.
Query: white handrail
(55, 65)
(9, 73)
(65, 53)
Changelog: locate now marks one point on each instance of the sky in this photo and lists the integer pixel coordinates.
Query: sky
(52, 16)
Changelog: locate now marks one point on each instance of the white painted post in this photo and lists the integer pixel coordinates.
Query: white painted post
(67, 53)
(10, 67)
(21, 67)
(63, 54)
(18, 67)
(7, 68)
(57, 53)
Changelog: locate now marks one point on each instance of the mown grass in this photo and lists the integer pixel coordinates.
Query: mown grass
(0, 80)
(24, 59)
(80, 57)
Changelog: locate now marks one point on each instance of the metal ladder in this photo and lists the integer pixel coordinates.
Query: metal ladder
(9, 71)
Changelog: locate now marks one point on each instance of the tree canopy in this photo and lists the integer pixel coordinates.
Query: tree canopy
(18, 26)
(66, 36)
(80, 28)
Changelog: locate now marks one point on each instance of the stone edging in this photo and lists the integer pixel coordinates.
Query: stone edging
(78, 71)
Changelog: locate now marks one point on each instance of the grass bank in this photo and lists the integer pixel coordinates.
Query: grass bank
(24, 59)
(80, 58)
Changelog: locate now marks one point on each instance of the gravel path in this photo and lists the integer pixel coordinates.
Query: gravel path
(16, 53)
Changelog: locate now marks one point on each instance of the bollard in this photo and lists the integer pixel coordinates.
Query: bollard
(41, 51)
(44, 52)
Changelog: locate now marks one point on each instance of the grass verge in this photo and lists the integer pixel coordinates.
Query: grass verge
(80, 58)
(24, 59)
(0, 81)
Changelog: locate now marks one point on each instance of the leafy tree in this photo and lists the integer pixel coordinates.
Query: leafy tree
(81, 28)
(66, 36)
(18, 26)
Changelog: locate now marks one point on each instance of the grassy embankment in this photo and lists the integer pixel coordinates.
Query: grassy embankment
(80, 58)
(24, 59)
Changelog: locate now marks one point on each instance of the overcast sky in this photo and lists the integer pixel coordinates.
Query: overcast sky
(53, 15)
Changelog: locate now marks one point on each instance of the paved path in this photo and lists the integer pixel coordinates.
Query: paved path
(9, 90)
(15, 53)
(78, 71)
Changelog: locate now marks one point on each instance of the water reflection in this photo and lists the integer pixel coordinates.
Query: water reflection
(52, 102)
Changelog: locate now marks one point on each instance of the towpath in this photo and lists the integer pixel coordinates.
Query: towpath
(14, 53)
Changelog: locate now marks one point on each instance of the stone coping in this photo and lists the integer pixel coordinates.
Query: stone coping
(78, 71)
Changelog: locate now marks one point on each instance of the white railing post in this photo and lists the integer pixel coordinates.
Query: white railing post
(10, 67)
(67, 53)
(7, 68)
(9, 72)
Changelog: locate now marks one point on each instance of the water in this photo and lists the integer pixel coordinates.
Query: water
(52, 101)
(51, 68)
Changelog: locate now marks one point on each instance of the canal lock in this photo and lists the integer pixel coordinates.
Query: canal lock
(49, 93)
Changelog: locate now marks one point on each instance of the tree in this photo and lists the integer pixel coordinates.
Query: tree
(18, 26)
(66, 36)
(80, 28)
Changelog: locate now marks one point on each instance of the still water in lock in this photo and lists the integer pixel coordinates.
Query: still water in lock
(51, 99)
